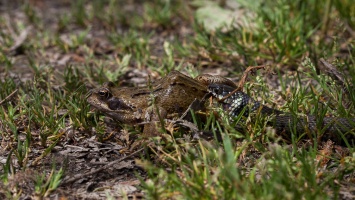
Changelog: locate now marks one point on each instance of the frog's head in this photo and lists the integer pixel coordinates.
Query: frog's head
(111, 102)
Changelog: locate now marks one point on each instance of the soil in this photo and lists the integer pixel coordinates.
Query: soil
(81, 154)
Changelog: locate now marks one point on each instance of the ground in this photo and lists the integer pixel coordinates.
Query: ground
(54, 145)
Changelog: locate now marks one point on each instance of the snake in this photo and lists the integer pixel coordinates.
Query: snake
(339, 130)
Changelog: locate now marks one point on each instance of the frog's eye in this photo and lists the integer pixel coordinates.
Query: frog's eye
(104, 93)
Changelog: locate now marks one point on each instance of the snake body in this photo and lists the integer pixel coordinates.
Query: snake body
(336, 129)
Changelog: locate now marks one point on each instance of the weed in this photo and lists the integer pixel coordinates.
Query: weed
(58, 63)
(45, 185)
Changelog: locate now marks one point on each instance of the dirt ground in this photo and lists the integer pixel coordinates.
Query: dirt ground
(78, 152)
(92, 169)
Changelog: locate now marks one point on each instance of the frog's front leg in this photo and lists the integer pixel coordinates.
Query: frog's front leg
(209, 80)
(153, 117)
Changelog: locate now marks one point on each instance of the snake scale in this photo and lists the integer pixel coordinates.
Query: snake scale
(332, 128)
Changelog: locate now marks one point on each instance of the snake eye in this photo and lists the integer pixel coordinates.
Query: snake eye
(104, 93)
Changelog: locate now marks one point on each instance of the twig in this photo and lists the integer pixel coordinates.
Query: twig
(8, 97)
(333, 72)
(110, 164)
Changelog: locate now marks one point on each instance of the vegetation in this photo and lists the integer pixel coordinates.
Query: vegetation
(50, 60)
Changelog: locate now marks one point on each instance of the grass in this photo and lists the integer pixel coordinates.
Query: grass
(91, 42)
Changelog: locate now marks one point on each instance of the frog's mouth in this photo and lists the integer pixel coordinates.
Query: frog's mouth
(114, 103)
(114, 108)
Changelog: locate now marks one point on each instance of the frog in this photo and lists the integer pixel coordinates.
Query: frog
(167, 98)
(171, 96)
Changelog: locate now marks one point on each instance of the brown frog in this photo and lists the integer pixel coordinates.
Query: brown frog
(165, 98)
(171, 96)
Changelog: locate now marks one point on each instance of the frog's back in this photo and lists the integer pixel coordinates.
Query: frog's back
(177, 91)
